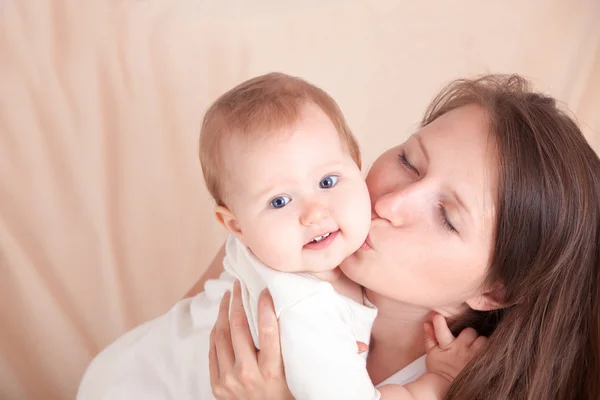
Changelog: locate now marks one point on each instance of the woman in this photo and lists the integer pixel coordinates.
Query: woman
(489, 215)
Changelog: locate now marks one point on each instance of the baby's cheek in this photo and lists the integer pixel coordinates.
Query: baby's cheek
(277, 247)
(357, 213)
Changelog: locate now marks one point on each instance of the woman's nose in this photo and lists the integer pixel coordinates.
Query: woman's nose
(400, 206)
(314, 214)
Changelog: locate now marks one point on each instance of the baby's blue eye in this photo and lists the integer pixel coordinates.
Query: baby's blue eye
(280, 201)
(328, 182)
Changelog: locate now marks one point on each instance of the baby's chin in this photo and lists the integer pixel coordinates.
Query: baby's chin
(322, 268)
(319, 263)
(306, 266)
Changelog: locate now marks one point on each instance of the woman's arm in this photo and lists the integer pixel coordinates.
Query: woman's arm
(214, 270)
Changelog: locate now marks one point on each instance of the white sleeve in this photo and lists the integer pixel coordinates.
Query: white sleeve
(320, 352)
(163, 359)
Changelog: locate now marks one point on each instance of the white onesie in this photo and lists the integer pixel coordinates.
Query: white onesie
(167, 358)
(318, 328)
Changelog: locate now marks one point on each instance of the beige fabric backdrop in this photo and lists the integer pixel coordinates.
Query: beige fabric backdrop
(104, 220)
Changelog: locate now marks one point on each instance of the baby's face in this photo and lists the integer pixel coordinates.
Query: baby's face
(299, 199)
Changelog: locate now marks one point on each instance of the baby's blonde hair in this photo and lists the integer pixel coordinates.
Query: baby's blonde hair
(254, 109)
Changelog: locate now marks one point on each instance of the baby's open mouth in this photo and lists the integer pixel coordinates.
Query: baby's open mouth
(321, 241)
(319, 238)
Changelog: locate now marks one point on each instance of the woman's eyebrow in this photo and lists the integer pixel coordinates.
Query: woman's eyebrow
(461, 204)
(423, 148)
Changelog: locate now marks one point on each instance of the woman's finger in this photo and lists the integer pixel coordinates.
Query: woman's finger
(269, 357)
(213, 362)
(430, 341)
(222, 338)
(443, 335)
(243, 346)
(468, 336)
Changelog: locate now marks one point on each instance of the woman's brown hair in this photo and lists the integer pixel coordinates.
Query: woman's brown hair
(546, 251)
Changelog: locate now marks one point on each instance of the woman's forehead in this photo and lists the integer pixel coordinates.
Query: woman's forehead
(460, 138)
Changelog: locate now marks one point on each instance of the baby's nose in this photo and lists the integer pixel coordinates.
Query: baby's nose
(314, 214)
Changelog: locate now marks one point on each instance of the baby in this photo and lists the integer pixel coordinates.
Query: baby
(284, 170)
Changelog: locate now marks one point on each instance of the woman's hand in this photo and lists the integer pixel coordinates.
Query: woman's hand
(237, 369)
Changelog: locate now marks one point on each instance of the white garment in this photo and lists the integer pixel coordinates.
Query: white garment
(167, 358)
(318, 328)
(411, 372)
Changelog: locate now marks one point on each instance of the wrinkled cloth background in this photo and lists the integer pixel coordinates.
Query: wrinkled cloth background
(104, 219)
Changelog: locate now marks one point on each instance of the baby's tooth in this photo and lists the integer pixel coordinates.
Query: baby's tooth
(319, 238)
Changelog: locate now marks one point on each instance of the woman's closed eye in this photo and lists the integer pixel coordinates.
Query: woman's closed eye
(445, 220)
(447, 224)
(404, 160)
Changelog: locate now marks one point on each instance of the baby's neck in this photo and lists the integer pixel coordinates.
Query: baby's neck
(342, 284)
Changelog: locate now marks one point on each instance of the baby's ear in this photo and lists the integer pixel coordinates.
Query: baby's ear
(228, 220)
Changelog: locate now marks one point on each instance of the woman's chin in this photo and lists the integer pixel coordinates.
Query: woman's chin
(352, 265)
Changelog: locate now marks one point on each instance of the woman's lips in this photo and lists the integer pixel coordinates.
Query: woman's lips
(367, 244)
